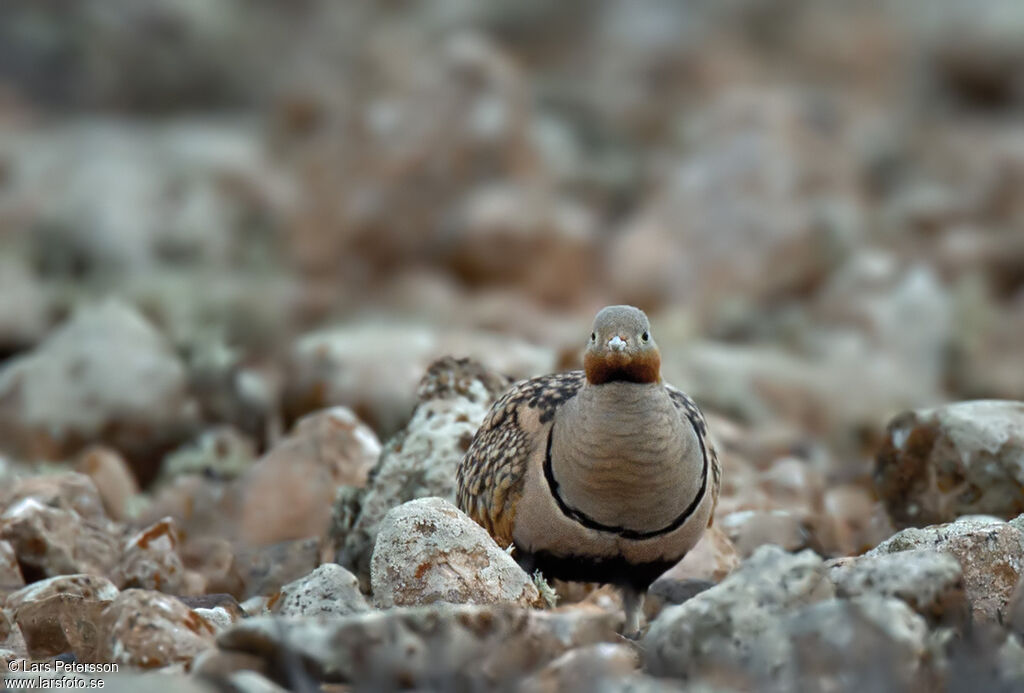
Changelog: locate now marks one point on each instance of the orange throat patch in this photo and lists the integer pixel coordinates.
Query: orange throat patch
(617, 367)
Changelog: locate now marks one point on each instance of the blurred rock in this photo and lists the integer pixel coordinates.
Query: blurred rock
(227, 391)
(930, 583)
(150, 559)
(735, 629)
(86, 587)
(990, 552)
(246, 681)
(221, 602)
(288, 493)
(11, 578)
(983, 360)
(972, 58)
(519, 236)
(23, 307)
(84, 384)
(713, 558)
(855, 521)
(113, 479)
(214, 559)
(811, 642)
(899, 311)
(220, 452)
(374, 367)
(758, 385)
(1015, 610)
(460, 119)
(584, 668)
(330, 590)
(218, 617)
(266, 569)
(218, 663)
(750, 529)
(866, 643)
(151, 630)
(455, 395)
(428, 551)
(52, 541)
(201, 506)
(738, 216)
(708, 563)
(960, 459)
(62, 623)
(438, 646)
(69, 491)
(187, 193)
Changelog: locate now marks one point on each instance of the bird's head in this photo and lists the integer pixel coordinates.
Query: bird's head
(621, 348)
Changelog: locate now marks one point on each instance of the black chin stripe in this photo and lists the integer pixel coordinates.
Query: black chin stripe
(589, 522)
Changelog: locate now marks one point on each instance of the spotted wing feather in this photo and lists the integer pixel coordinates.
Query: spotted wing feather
(490, 476)
(692, 413)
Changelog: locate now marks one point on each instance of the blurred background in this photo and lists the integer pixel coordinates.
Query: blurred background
(220, 216)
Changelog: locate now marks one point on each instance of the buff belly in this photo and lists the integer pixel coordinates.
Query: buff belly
(563, 548)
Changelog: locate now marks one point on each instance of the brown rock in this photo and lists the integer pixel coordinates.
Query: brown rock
(150, 630)
(345, 366)
(10, 572)
(737, 625)
(215, 663)
(218, 617)
(214, 559)
(330, 590)
(266, 569)
(87, 587)
(707, 563)
(990, 553)
(202, 506)
(732, 218)
(455, 396)
(218, 453)
(521, 236)
(62, 623)
(67, 491)
(467, 645)
(1015, 609)
(150, 559)
(23, 306)
(584, 668)
(960, 459)
(83, 385)
(428, 550)
(225, 602)
(749, 529)
(713, 558)
(856, 521)
(113, 479)
(288, 493)
(52, 541)
(931, 583)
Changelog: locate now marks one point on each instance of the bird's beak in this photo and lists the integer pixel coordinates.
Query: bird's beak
(617, 343)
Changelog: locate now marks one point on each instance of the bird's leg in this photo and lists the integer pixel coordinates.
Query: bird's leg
(632, 603)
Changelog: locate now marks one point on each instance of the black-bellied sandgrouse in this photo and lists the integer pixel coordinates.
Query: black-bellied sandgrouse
(600, 475)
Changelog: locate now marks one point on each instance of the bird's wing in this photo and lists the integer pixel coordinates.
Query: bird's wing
(690, 412)
(490, 476)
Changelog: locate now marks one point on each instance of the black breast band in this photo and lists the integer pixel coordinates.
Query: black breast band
(589, 522)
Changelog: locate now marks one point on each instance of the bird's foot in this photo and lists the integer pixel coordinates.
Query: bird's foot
(632, 603)
(547, 592)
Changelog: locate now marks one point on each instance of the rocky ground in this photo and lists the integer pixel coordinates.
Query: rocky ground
(264, 270)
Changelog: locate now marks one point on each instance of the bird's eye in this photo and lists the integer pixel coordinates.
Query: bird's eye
(593, 336)
(646, 336)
